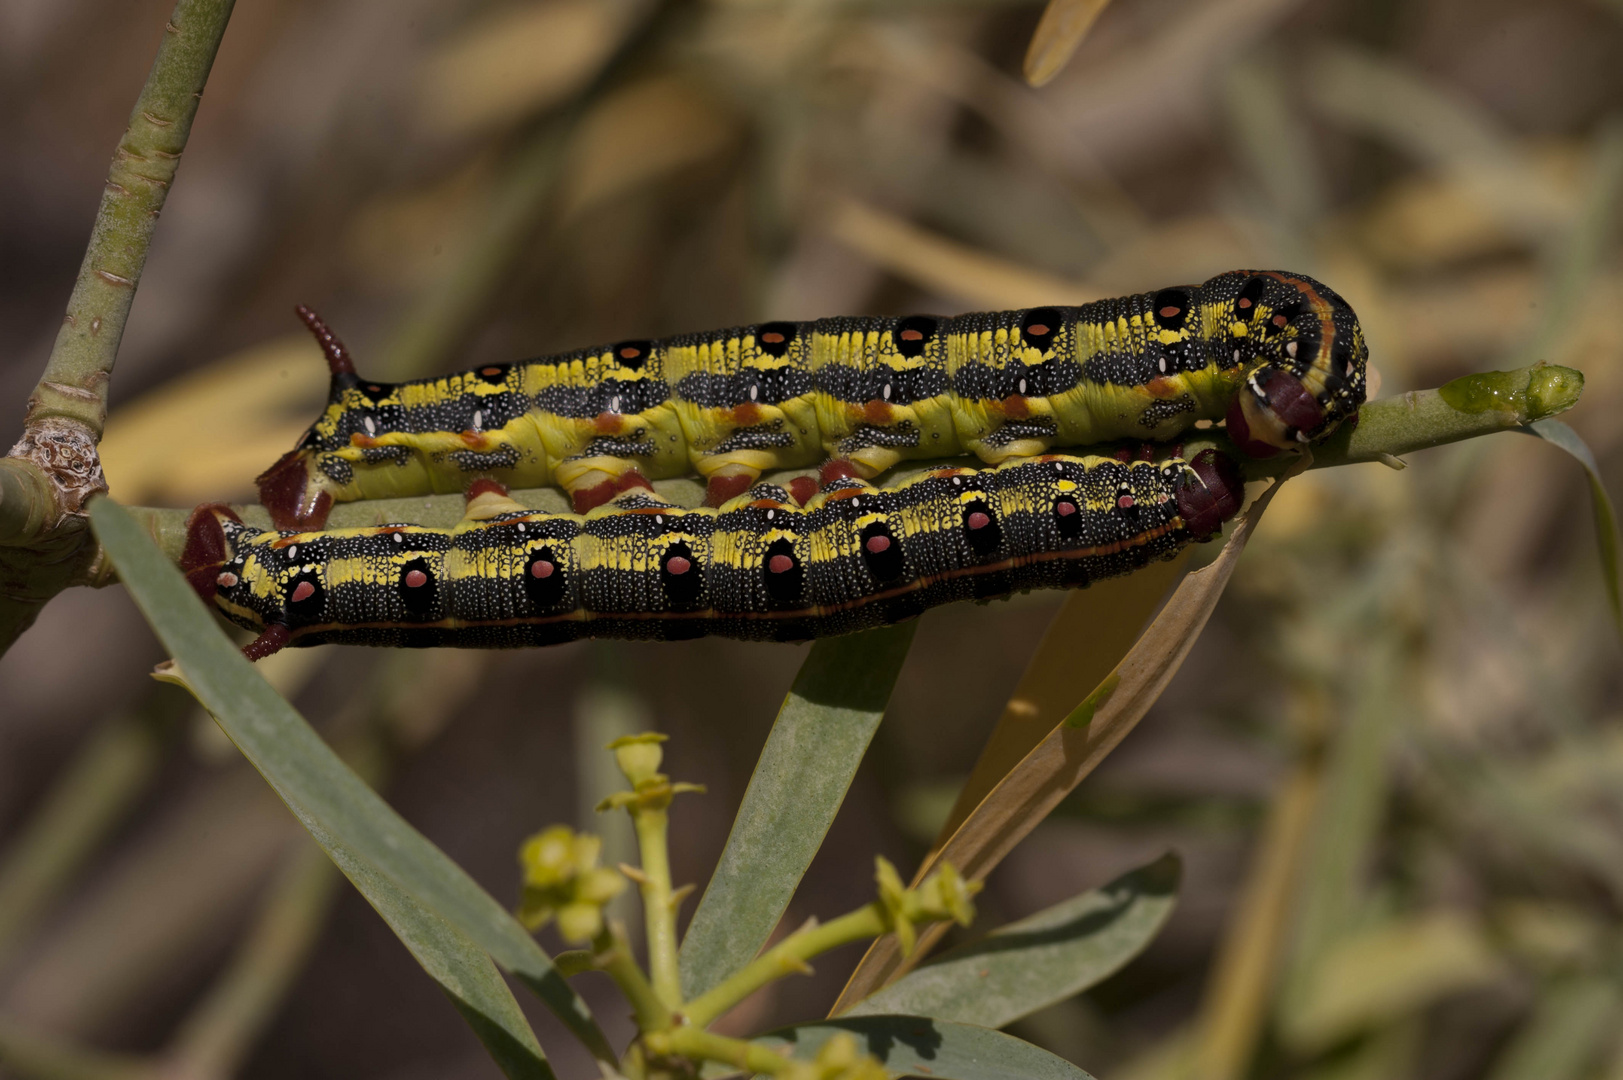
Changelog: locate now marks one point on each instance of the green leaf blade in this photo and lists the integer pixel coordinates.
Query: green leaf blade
(817, 742)
(1045, 958)
(363, 834)
(1606, 535)
(921, 1046)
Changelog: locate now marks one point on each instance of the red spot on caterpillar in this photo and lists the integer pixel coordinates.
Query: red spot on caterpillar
(492, 371)
(747, 414)
(541, 569)
(1037, 329)
(485, 486)
(474, 440)
(912, 335)
(677, 565)
(608, 423)
(274, 637)
(226, 580)
(1125, 502)
(301, 592)
(878, 413)
(1169, 311)
(1015, 407)
(1065, 508)
(1162, 388)
(206, 548)
(1279, 320)
(802, 488)
(1245, 302)
(772, 337)
(978, 520)
(838, 469)
(630, 352)
(723, 486)
(878, 544)
(586, 498)
(415, 579)
(780, 564)
(338, 358)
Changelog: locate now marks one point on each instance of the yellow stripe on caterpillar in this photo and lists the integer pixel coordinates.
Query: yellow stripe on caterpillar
(1279, 356)
(760, 567)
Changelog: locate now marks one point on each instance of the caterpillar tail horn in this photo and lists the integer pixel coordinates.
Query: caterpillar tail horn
(285, 488)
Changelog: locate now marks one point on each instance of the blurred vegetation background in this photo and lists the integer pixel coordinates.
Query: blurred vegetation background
(1393, 765)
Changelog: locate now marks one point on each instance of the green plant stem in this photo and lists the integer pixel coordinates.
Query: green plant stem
(611, 953)
(787, 957)
(74, 385)
(658, 906)
(54, 468)
(699, 1045)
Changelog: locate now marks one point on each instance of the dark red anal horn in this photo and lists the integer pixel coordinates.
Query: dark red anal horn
(338, 358)
(1218, 495)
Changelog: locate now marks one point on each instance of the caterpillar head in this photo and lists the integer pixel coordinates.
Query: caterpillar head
(1209, 492)
(213, 561)
(1313, 355)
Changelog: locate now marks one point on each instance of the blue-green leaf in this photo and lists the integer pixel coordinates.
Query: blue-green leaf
(922, 1046)
(397, 867)
(818, 740)
(1048, 957)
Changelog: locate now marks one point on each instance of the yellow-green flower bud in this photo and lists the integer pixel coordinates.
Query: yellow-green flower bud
(838, 1059)
(893, 899)
(639, 756)
(946, 895)
(562, 880)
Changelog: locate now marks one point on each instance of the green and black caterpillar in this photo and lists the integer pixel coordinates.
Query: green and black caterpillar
(1278, 355)
(762, 567)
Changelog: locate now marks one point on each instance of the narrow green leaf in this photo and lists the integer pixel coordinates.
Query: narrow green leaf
(818, 740)
(1042, 959)
(356, 827)
(1606, 537)
(921, 1046)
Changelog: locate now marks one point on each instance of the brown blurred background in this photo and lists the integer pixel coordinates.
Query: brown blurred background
(1426, 654)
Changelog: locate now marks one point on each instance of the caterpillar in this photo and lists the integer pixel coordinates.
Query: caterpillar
(1278, 355)
(761, 567)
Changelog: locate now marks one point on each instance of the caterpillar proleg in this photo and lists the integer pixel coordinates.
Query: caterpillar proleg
(1278, 355)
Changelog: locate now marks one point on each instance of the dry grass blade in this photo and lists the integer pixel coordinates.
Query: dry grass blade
(1070, 752)
(1086, 640)
(1063, 26)
(948, 267)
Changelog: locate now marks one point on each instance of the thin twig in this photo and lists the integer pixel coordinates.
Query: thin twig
(54, 467)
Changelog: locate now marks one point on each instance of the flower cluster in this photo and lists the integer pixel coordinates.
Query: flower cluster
(562, 880)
